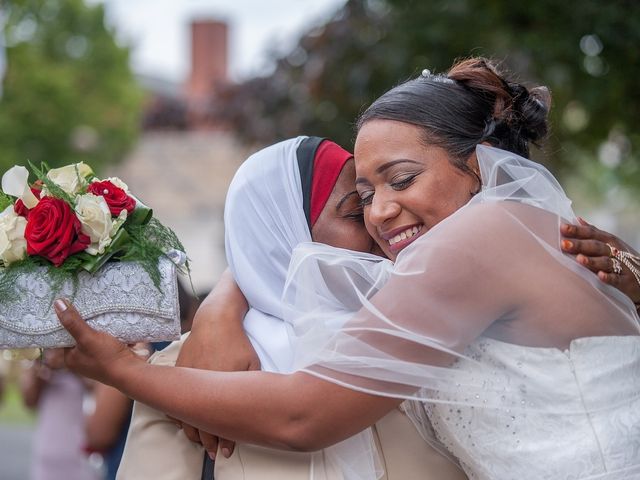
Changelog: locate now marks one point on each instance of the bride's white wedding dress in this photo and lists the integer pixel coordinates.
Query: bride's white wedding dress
(514, 441)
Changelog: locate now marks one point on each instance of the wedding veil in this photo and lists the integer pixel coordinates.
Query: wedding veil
(398, 330)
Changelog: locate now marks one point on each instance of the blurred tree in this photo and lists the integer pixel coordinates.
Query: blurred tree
(585, 51)
(68, 94)
(322, 84)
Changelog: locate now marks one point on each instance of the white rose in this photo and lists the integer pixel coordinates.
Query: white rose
(13, 245)
(116, 181)
(95, 217)
(67, 177)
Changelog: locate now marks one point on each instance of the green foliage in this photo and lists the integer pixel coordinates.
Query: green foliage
(140, 238)
(69, 95)
(5, 201)
(149, 242)
(12, 409)
(144, 244)
(56, 191)
(585, 51)
(56, 276)
(371, 45)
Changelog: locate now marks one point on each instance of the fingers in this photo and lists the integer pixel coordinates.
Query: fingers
(210, 444)
(597, 264)
(71, 320)
(226, 447)
(191, 433)
(591, 248)
(584, 231)
(611, 278)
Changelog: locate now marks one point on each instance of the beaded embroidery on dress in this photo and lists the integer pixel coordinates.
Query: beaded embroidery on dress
(517, 442)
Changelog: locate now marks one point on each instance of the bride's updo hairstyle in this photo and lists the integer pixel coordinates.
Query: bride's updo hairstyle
(471, 104)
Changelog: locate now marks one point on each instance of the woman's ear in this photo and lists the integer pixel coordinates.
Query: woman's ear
(474, 170)
(472, 161)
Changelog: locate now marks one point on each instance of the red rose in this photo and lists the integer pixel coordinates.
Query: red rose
(116, 197)
(53, 231)
(20, 208)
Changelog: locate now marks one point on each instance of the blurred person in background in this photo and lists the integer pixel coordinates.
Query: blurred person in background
(58, 397)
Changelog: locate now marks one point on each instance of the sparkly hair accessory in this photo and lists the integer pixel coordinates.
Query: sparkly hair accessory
(439, 77)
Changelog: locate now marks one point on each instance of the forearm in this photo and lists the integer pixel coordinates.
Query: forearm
(292, 412)
(31, 385)
(218, 340)
(297, 411)
(226, 300)
(112, 409)
(222, 310)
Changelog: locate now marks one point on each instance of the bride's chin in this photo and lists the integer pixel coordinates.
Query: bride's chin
(377, 250)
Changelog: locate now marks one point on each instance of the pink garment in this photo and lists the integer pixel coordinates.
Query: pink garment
(60, 435)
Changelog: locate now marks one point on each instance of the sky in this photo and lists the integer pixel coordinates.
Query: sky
(158, 30)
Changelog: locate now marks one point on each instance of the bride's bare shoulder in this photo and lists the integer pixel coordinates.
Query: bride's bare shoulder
(495, 225)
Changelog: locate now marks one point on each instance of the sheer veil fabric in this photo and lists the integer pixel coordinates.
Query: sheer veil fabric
(264, 220)
(492, 269)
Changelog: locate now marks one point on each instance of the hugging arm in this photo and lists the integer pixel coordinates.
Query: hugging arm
(301, 411)
(218, 342)
(297, 411)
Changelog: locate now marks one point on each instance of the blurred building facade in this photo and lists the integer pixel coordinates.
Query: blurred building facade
(185, 158)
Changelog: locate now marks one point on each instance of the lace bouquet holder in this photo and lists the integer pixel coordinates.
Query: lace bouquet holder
(120, 299)
(71, 235)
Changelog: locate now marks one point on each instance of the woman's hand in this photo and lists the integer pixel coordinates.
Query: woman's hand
(97, 355)
(218, 342)
(35, 378)
(591, 247)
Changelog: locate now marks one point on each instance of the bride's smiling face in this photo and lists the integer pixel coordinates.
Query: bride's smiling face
(406, 185)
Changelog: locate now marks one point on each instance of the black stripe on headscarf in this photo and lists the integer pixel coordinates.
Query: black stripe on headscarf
(306, 154)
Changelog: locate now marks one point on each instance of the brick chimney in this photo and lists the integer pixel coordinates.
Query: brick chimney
(209, 52)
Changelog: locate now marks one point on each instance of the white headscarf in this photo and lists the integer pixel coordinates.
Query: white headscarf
(264, 220)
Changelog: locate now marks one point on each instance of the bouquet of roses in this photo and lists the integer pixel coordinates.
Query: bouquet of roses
(67, 222)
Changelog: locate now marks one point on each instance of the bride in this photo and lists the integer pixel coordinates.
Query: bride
(518, 363)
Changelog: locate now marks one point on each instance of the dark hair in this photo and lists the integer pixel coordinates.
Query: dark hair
(471, 104)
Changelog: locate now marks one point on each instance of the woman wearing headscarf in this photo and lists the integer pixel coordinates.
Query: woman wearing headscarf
(523, 363)
(295, 191)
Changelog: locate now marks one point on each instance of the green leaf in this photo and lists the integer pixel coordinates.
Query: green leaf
(141, 214)
(5, 201)
(119, 244)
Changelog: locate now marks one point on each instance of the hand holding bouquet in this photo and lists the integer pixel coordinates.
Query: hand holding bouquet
(68, 221)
